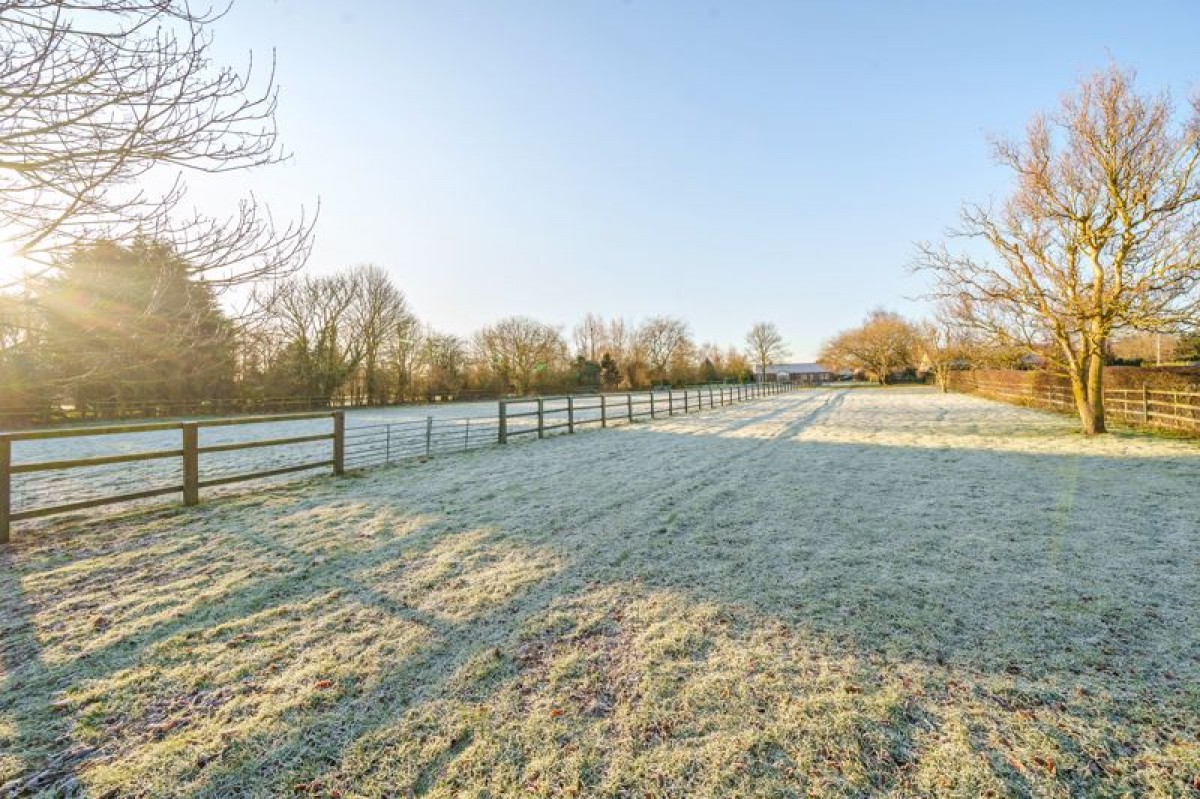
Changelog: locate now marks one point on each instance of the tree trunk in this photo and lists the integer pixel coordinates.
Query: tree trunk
(1095, 390)
(1083, 405)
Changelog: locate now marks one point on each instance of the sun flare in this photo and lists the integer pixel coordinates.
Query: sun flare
(12, 268)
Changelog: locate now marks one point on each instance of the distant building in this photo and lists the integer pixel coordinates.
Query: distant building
(813, 373)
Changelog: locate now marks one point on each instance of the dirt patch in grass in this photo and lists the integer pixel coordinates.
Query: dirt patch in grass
(826, 594)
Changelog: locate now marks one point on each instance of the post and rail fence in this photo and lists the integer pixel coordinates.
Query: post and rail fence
(360, 446)
(1175, 410)
(188, 452)
(540, 416)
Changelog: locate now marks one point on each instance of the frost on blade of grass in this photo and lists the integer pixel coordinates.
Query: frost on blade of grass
(831, 593)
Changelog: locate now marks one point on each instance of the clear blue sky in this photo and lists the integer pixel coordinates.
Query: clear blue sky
(722, 162)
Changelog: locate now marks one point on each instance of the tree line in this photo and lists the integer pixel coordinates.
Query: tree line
(114, 328)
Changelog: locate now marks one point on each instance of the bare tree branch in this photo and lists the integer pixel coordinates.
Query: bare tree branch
(98, 100)
(1100, 234)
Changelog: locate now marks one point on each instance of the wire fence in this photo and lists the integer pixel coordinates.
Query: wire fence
(380, 444)
(45, 472)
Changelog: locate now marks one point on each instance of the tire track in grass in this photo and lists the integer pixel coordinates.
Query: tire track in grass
(695, 495)
(634, 456)
(485, 633)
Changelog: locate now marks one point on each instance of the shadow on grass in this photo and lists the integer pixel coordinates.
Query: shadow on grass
(608, 608)
(37, 732)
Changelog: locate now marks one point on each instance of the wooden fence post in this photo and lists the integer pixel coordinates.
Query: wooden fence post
(191, 463)
(503, 430)
(541, 418)
(339, 442)
(651, 404)
(5, 487)
(629, 406)
(710, 397)
(428, 436)
(467, 435)
(603, 412)
(670, 402)
(1145, 404)
(571, 414)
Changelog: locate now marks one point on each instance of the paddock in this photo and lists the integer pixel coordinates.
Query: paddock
(824, 593)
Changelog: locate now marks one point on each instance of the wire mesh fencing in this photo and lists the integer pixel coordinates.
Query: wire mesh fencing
(409, 439)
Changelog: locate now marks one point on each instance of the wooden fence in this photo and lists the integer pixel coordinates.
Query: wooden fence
(189, 453)
(360, 446)
(119, 411)
(546, 415)
(1170, 409)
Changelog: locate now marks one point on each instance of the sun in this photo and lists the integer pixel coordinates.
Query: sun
(13, 268)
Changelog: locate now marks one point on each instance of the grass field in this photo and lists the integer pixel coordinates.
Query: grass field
(831, 593)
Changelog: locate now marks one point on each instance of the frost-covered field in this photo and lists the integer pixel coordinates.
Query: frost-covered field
(830, 593)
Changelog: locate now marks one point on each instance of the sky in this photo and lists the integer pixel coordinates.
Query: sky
(721, 162)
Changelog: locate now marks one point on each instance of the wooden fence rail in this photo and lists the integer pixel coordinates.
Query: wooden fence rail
(189, 452)
(362, 446)
(1164, 409)
(550, 414)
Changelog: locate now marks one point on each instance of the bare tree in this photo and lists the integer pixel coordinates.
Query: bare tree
(942, 348)
(736, 365)
(618, 344)
(310, 317)
(405, 353)
(379, 318)
(765, 346)
(661, 340)
(617, 338)
(517, 350)
(589, 337)
(443, 359)
(1101, 233)
(884, 343)
(99, 97)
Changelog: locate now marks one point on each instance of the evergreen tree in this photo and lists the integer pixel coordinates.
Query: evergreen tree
(610, 375)
(1188, 348)
(127, 324)
(587, 373)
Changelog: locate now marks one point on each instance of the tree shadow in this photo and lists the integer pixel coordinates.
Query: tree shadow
(1024, 576)
(27, 701)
